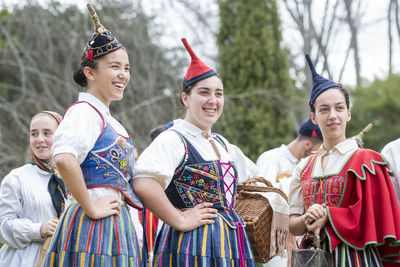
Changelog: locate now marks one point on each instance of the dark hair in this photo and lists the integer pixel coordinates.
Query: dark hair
(341, 89)
(79, 76)
(188, 88)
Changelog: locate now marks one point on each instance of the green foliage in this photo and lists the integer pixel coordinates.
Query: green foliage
(379, 103)
(255, 74)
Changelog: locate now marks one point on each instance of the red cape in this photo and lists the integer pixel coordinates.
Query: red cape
(369, 212)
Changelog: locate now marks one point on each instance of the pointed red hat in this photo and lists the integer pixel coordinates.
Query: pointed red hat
(197, 70)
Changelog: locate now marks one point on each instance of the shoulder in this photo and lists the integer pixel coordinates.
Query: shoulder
(16, 175)
(82, 110)
(393, 145)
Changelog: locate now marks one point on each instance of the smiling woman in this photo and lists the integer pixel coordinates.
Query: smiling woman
(199, 171)
(28, 216)
(95, 157)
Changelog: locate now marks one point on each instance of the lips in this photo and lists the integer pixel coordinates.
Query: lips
(210, 110)
(119, 85)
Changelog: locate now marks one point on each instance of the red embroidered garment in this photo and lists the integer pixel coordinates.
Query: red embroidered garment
(362, 206)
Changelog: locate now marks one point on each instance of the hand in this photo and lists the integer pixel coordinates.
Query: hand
(104, 207)
(316, 225)
(47, 228)
(315, 212)
(201, 214)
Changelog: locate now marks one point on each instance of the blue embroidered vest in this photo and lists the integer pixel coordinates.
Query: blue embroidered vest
(110, 163)
(197, 180)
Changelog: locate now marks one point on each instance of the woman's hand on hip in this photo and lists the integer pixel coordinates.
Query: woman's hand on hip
(104, 207)
(201, 214)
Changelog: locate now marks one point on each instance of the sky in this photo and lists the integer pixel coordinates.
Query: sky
(373, 37)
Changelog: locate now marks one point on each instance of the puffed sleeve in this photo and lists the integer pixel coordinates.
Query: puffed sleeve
(78, 131)
(391, 153)
(245, 167)
(267, 166)
(160, 159)
(295, 191)
(15, 230)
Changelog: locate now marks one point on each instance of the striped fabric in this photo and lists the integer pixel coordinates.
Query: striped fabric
(81, 241)
(345, 256)
(210, 245)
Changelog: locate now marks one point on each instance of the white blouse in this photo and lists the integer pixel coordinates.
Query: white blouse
(160, 159)
(392, 153)
(334, 160)
(79, 131)
(25, 204)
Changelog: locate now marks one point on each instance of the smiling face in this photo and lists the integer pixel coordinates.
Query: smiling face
(331, 115)
(42, 129)
(205, 102)
(109, 79)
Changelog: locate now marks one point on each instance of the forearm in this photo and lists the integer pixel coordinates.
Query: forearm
(72, 176)
(297, 224)
(154, 198)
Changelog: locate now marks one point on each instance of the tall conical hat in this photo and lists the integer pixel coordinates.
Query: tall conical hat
(319, 83)
(197, 69)
(101, 42)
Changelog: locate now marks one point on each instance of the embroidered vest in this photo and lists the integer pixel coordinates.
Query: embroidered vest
(197, 180)
(324, 189)
(110, 163)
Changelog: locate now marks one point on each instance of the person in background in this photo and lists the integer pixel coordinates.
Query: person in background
(391, 152)
(343, 193)
(159, 129)
(31, 198)
(199, 172)
(95, 157)
(277, 165)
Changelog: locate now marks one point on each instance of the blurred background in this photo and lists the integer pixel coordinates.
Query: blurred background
(257, 46)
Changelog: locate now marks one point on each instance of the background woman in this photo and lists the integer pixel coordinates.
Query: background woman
(95, 156)
(343, 190)
(199, 171)
(28, 210)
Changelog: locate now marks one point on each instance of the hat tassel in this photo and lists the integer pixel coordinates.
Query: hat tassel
(189, 49)
(311, 65)
(93, 15)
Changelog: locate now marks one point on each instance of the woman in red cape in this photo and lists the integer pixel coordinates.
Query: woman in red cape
(344, 193)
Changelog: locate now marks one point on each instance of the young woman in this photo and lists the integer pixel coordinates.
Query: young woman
(344, 193)
(95, 157)
(199, 171)
(29, 206)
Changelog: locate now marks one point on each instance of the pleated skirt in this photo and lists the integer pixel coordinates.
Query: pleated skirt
(82, 241)
(345, 256)
(210, 245)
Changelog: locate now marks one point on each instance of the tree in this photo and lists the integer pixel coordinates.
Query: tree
(255, 74)
(377, 103)
(39, 50)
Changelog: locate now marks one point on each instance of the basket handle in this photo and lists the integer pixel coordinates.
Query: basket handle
(258, 179)
(251, 188)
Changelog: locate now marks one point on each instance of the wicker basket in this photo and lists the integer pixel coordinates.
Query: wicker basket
(257, 215)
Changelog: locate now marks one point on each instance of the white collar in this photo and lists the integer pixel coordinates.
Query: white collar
(83, 96)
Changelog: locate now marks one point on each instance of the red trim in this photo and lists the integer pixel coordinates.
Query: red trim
(70, 228)
(117, 232)
(100, 234)
(90, 236)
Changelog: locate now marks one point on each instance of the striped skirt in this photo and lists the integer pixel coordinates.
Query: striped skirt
(81, 241)
(345, 256)
(210, 245)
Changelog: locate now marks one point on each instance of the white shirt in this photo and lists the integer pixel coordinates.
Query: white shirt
(81, 126)
(25, 204)
(391, 152)
(334, 161)
(160, 159)
(79, 131)
(277, 162)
